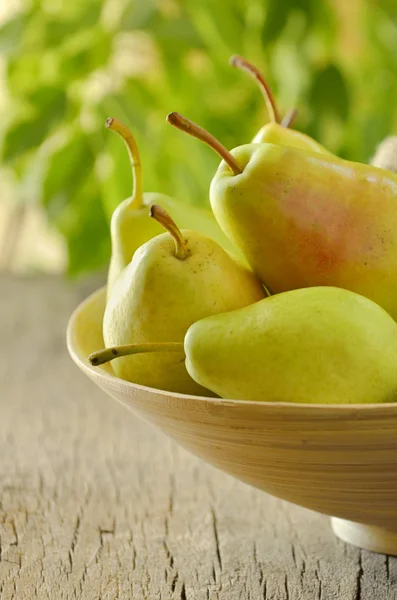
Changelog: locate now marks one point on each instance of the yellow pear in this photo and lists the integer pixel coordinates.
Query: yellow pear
(172, 281)
(131, 225)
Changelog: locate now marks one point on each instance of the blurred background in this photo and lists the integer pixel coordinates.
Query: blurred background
(66, 66)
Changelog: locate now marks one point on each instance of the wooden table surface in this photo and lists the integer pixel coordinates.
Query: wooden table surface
(96, 504)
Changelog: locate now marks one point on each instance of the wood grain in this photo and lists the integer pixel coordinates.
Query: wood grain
(96, 504)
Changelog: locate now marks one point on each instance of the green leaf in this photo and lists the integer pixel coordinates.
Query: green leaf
(329, 92)
(11, 34)
(89, 54)
(68, 167)
(137, 15)
(301, 16)
(374, 129)
(49, 101)
(275, 19)
(174, 34)
(24, 73)
(389, 7)
(86, 230)
(72, 198)
(50, 105)
(57, 29)
(25, 136)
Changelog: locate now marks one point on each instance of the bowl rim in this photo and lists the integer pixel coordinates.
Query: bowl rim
(100, 374)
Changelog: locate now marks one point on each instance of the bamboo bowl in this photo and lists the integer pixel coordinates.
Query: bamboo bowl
(340, 460)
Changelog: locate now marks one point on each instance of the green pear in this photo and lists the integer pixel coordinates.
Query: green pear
(307, 219)
(172, 281)
(320, 345)
(315, 345)
(131, 225)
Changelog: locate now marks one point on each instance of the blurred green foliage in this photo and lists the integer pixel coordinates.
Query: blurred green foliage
(69, 65)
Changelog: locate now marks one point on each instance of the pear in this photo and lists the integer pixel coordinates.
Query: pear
(278, 130)
(315, 345)
(172, 281)
(131, 225)
(306, 219)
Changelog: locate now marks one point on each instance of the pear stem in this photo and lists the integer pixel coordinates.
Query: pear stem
(194, 130)
(161, 216)
(135, 159)
(241, 63)
(289, 118)
(107, 354)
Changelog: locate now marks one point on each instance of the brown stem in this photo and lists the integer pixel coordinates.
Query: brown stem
(161, 216)
(241, 63)
(135, 159)
(289, 118)
(107, 354)
(194, 130)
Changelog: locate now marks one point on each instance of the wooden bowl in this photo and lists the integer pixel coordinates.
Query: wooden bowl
(340, 460)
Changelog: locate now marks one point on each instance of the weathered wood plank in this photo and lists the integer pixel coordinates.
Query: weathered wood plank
(96, 504)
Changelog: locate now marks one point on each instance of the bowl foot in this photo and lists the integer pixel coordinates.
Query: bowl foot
(369, 537)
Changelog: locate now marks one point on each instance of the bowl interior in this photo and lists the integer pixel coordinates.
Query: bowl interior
(84, 333)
